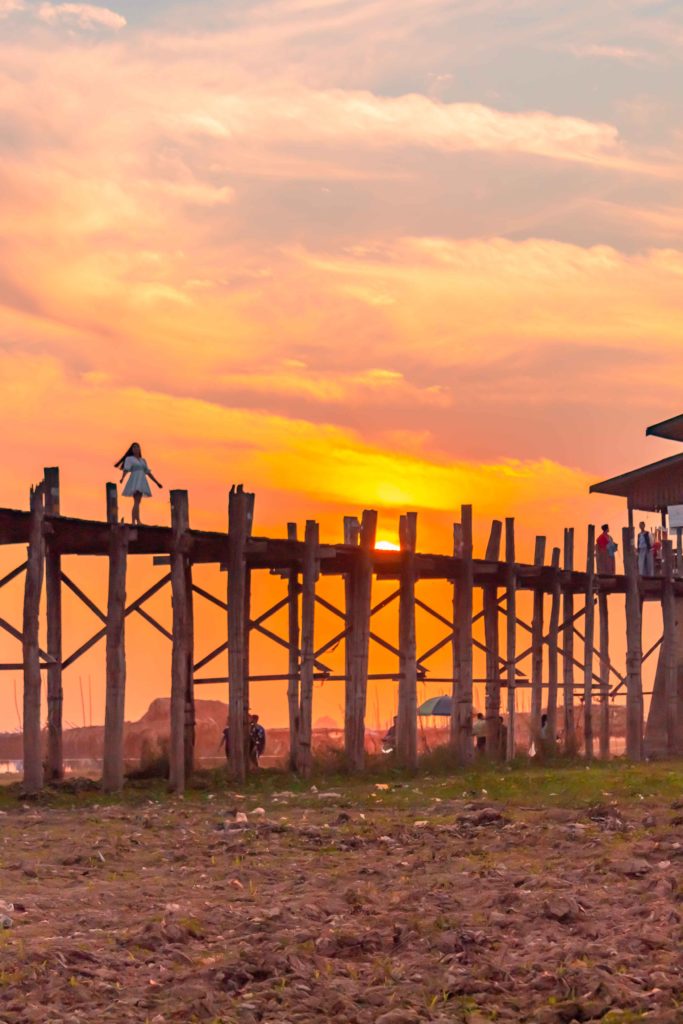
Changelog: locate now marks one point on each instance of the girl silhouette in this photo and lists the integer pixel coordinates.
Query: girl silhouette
(137, 486)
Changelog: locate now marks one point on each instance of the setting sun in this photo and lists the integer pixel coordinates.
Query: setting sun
(387, 545)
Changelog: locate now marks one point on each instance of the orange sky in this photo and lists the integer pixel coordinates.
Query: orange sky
(352, 254)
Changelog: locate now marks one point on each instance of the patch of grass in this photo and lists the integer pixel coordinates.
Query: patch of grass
(560, 783)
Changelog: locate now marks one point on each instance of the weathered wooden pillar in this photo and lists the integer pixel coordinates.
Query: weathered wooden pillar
(181, 659)
(553, 643)
(493, 748)
(461, 717)
(603, 611)
(190, 712)
(634, 651)
(663, 727)
(112, 503)
(309, 578)
(351, 538)
(537, 647)
(112, 760)
(293, 665)
(361, 597)
(568, 646)
(251, 498)
(669, 652)
(33, 754)
(589, 645)
(53, 609)
(511, 638)
(406, 722)
(238, 515)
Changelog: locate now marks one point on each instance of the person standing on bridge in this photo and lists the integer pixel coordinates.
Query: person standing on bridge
(605, 550)
(646, 565)
(137, 486)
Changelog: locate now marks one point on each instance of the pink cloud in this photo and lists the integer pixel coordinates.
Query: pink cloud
(83, 15)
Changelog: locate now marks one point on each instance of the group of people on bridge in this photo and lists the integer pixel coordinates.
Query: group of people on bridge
(649, 548)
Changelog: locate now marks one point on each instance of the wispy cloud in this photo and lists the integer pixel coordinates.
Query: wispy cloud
(610, 52)
(83, 15)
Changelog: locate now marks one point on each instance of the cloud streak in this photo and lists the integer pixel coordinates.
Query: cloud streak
(82, 15)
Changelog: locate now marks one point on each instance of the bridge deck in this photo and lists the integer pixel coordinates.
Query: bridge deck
(71, 536)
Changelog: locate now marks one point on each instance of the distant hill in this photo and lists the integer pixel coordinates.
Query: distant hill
(153, 729)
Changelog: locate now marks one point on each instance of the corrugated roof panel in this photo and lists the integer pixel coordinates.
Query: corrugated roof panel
(650, 488)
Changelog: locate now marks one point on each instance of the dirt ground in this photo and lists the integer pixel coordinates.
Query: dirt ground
(386, 902)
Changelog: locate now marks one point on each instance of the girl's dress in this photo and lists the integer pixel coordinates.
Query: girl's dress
(137, 482)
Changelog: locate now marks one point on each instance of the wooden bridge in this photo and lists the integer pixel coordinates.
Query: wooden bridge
(564, 593)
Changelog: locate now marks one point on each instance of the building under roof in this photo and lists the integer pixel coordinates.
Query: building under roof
(652, 488)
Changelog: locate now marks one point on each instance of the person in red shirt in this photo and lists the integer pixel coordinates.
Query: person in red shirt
(604, 553)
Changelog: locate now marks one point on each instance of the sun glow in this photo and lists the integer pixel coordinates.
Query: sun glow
(387, 545)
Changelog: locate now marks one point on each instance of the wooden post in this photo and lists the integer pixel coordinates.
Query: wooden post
(361, 597)
(33, 755)
(455, 644)
(568, 648)
(679, 551)
(351, 538)
(511, 644)
(237, 667)
(190, 712)
(251, 500)
(604, 675)
(461, 722)
(112, 503)
(406, 723)
(293, 667)
(669, 652)
(309, 578)
(181, 662)
(553, 643)
(492, 649)
(634, 651)
(112, 761)
(53, 608)
(589, 645)
(537, 648)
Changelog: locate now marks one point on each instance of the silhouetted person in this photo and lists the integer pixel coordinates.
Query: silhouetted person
(257, 740)
(137, 486)
(389, 740)
(225, 742)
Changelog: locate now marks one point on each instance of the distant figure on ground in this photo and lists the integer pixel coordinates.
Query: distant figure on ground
(225, 741)
(645, 558)
(605, 550)
(257, 740)
(137, 486)
(389, 739)
(479, 733)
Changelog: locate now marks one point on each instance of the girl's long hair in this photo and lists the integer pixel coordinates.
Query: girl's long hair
(119, 464)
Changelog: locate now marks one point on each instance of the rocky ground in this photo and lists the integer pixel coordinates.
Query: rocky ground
(389, 903)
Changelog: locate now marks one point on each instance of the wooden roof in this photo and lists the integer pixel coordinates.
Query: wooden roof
(671, 428)
(650, 488)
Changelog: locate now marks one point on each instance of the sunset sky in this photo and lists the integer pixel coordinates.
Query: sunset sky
(354, 254)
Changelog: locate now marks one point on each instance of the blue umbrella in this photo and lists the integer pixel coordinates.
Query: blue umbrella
(441, 706)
